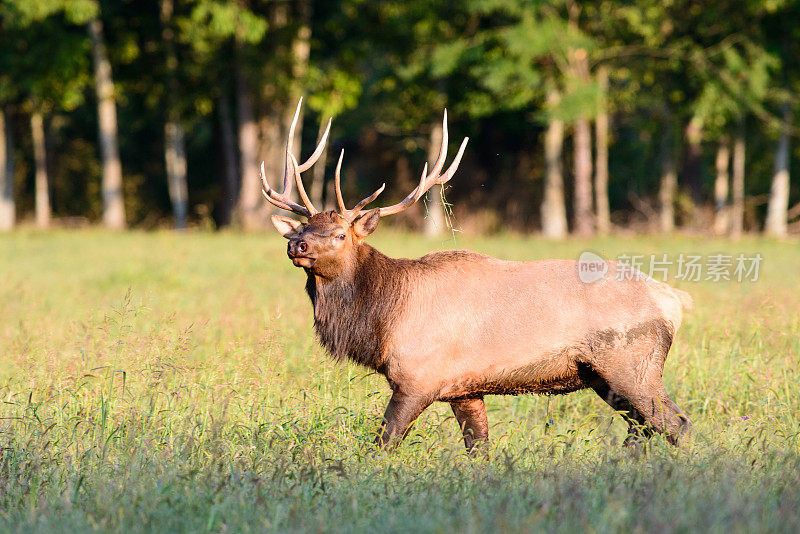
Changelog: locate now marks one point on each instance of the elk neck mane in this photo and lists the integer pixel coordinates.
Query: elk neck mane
(355, 312)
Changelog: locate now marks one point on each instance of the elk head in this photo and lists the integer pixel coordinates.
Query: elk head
(326, 244)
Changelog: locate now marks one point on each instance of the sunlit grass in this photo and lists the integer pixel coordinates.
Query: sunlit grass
(172, 382)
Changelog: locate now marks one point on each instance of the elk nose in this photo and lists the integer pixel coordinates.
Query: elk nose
(297, 246)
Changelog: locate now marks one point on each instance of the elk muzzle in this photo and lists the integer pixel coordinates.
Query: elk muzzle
(297, 250)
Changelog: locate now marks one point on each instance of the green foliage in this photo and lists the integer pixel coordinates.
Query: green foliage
(24, 14)
(46, 59)
(392, 66)
(737, 80)
(211, 22)
(521, 48)
(332, 91)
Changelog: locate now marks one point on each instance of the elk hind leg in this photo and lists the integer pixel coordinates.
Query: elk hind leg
(638, 428)
(638, 383)
(662, 413)
(471, 417)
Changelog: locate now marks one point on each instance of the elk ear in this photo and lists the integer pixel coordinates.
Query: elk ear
(367, 223)
(287, 227)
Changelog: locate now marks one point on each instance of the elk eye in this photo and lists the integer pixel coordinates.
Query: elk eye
(340, 237)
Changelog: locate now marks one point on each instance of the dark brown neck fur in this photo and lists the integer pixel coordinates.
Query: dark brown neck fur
(354, 313)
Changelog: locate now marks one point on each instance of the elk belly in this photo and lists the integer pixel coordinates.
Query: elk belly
(556, 374)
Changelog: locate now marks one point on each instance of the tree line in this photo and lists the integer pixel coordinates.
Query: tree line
(584, 117)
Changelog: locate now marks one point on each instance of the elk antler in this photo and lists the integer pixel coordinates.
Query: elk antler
(283, 200)
(350, 215)
(426, 181)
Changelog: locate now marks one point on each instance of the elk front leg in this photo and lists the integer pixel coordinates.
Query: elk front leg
(402, 410)
(471, 417)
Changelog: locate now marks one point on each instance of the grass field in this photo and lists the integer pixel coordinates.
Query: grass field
(163, 382)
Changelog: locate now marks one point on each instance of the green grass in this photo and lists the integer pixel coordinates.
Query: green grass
(162, 382)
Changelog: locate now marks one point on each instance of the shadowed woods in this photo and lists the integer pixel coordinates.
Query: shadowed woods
(586, 118)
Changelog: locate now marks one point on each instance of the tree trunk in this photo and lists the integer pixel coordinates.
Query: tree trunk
(582, 200)
(721, 187)
(737, 183)
(669, 179)
(273, 149)
(318, 185)
(692, 172)
(275, 116)
(175, 158)
(553, 213)
(582, 146)
(174, 144)
(43, 213)
(777, 218)
(434, 217)
(300, 51)
(286, 121)
(113, 205)
(250, 207)
(330, 196)
(230, 182)
(8, 210)
(601, 170)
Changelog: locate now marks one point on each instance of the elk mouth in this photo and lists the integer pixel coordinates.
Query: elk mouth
(302, 261)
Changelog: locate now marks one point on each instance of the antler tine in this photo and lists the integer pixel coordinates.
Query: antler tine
(410, 199)
(280, 200)
(451, 170)
(367, 200)
(293, 125)
(437, 166)
(352, 214)
(421, 188)
(312, 159)
(338, 185)
(289, 145)
(300, 189)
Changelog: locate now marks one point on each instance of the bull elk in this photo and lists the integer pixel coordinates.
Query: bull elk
(454, 326)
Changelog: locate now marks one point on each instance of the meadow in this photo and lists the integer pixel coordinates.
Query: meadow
(163, 382)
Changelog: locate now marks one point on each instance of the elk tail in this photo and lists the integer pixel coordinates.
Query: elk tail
(686, 300)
